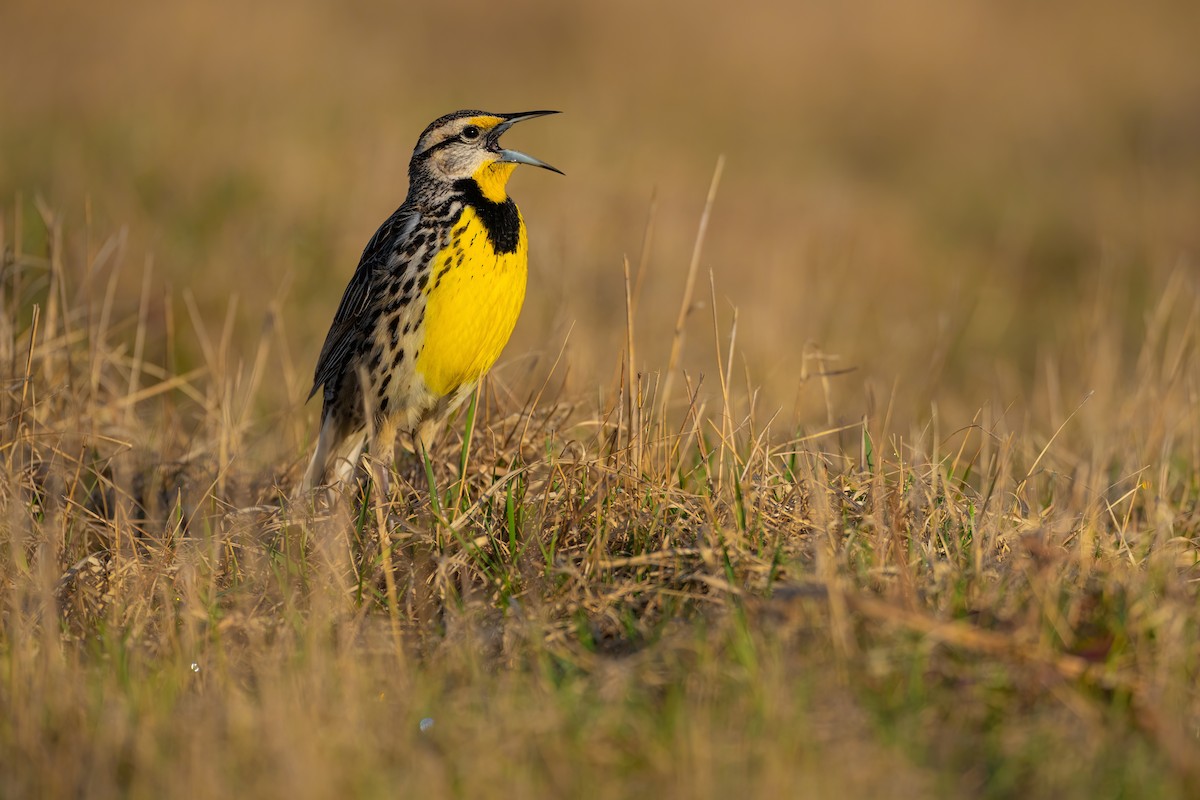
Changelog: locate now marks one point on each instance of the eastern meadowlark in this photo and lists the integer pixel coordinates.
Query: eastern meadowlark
(433, 301)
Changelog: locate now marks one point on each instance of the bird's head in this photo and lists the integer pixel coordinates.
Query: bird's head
(466, 144)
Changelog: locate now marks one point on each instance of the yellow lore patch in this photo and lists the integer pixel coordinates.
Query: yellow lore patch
(473, 299)
(487, 121)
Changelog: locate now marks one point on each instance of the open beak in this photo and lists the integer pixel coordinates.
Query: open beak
(516, 156)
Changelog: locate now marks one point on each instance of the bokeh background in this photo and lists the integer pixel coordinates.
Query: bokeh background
(949, 200)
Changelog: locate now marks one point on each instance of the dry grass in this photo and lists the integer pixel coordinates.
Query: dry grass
(962, 559)
(588, 601)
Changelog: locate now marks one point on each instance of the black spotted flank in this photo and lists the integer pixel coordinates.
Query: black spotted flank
(501, 220)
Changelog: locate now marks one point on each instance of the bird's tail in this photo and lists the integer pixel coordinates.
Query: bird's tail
(336, 457)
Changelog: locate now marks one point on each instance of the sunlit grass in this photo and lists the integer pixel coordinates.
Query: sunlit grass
(866, 466)
(575, 599)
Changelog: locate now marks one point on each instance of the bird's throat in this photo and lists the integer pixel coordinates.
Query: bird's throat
(493, 178)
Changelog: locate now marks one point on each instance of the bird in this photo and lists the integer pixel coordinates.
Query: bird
(433, 301)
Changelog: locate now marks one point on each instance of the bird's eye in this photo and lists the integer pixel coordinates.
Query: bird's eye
(470, 133)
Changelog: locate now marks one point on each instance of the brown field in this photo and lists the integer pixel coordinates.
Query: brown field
(907, 507)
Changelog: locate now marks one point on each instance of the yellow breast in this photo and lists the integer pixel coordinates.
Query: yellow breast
(473, 299)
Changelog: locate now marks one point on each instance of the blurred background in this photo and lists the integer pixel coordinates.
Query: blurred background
(953, 199)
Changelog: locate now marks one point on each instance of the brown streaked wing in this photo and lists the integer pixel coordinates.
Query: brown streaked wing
(345, 330)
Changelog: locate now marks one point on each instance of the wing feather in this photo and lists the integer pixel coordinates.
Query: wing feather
(345, 332)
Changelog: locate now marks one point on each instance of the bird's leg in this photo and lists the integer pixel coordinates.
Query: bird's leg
(346, 461)
(315, 474)
(383, 457)
(424, 435)
(336, 456)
